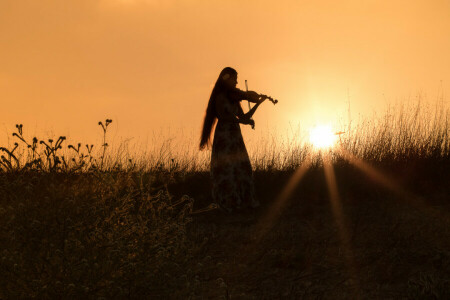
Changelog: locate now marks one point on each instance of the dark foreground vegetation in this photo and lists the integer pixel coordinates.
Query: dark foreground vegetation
(86, 225)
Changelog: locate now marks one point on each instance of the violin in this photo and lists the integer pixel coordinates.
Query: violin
(274, 101)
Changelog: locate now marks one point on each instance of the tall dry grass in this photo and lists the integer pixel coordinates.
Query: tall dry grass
(402, 132)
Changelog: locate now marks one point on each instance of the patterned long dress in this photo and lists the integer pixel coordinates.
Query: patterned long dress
(231, 171)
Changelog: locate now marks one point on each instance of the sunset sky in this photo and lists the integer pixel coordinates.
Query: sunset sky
(151, 64)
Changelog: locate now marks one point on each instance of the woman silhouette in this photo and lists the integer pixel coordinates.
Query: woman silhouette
(231, 171)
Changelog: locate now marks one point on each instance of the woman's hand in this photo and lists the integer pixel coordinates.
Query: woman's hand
(262, 98)
(247, 121)
(252, 123)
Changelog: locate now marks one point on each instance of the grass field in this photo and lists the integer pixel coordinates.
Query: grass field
(368, 218)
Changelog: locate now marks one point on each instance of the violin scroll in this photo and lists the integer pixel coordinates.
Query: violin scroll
(274, 101)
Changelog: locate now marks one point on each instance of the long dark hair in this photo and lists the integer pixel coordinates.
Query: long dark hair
(211, 115)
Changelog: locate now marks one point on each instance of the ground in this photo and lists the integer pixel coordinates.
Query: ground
(135, 235)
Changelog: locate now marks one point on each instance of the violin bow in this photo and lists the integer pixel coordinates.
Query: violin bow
(246, 89)
(249, 107)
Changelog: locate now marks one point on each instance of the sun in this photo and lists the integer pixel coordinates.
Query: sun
(322, 136)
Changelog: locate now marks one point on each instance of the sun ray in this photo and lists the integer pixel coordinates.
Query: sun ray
(376, 175)
(392, 185)
(340, 221)
(276, 209)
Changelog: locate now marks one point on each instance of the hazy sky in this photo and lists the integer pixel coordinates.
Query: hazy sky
(147, 64)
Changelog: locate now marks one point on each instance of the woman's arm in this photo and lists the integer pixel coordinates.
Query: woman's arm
(250, 113)
(243, 119)
(240, 113)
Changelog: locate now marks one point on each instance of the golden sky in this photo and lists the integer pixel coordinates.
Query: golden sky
(148, 64)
